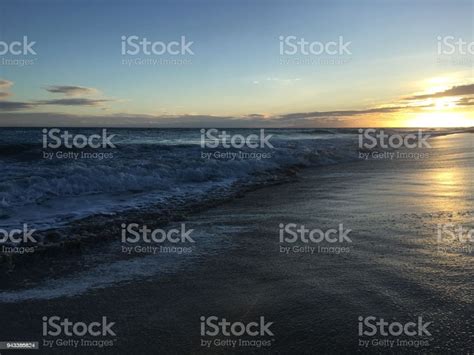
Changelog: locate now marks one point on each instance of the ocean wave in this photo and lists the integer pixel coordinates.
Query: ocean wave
(149, 167)
(38, 190)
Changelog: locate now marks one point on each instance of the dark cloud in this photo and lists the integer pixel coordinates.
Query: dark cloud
(461, 90)
(346, 113)
(465, 101)
(14, 106)
(70, 90)
(73, 102)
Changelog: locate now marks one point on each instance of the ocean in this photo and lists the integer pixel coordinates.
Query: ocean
(148, 168)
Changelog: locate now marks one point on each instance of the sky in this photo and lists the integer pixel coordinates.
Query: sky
(243, 67)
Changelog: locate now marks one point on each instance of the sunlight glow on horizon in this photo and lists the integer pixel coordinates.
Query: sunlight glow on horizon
(439, 119)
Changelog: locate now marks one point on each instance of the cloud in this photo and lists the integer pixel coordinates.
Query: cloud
(343, 113)
(14, 106)
(5, 84)
(461, 90)
(70, 90)
(465, 101)
(254, 120)
(275, 80)
(73, 102)
(335, 118)
(164, 121)
(256, 115)
(289, 80)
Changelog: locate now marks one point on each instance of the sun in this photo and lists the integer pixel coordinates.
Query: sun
(440, 112)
